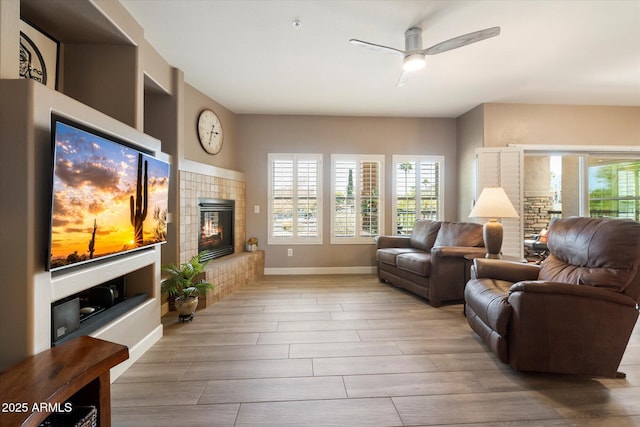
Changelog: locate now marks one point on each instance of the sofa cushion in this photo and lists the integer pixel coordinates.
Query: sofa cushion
(488, 298)
(601, 252)
(388, 255)
(424, 234)
(415, 262)
(460, 234)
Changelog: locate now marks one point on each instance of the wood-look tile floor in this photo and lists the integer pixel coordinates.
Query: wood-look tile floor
(350, 351)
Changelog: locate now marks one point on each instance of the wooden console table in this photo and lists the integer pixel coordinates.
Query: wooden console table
(73, 374)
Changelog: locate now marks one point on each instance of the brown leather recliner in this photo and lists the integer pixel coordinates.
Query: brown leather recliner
(575, 313)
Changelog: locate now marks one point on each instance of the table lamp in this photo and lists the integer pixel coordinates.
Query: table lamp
(493, 203)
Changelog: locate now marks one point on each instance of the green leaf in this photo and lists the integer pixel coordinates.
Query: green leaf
(179, 279)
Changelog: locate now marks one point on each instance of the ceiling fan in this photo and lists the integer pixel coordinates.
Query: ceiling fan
(414, 55)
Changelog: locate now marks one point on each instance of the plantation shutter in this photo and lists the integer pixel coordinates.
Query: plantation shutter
(357, 201)
(306, 224)
(282, 199)
(345, 174)
(417, 190)
(369, 198)
(295, 188)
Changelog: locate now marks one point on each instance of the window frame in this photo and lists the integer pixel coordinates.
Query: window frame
(402, 158)
(358, 159)
(295, 239)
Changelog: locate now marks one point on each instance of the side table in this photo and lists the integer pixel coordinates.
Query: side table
(74, 374)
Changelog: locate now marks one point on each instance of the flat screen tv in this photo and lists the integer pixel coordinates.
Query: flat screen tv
(108, 197)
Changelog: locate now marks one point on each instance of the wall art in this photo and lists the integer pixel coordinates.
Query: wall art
(38, 55)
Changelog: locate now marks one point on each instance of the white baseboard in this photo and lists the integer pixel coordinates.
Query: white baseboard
(319, 270)
(137, 351)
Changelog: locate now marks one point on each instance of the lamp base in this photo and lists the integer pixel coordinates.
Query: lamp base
(492, 233)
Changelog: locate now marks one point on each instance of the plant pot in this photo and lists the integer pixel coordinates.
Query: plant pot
(186, 306)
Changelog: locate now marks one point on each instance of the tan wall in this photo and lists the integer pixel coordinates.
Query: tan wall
(470, 137)
(194, 102)
(113, 65)
(10, 40)
(156, 69)
(506, 124)
(259, 135)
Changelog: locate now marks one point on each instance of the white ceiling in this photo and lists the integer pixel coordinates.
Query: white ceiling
(248, 56)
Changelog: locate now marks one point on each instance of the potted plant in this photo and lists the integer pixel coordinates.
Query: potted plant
(180, 285)
(252, 244)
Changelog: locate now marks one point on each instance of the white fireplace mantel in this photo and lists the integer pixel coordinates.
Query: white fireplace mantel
(187, 165)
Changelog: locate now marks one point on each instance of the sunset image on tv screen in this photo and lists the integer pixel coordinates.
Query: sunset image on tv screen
(107, 198)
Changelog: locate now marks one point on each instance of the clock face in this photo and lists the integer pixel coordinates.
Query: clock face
(210, 132)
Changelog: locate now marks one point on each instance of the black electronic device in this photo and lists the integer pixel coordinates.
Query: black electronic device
(103, 185)
(65, 318)
(101, 296)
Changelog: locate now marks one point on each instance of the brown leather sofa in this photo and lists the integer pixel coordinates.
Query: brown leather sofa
(573, 314)
(430, 262)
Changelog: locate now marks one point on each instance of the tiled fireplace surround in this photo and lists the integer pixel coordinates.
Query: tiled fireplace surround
(230, 272)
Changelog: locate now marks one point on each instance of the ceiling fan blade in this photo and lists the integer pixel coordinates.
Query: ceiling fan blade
(463, 40)
(376, 47)
(404, 78)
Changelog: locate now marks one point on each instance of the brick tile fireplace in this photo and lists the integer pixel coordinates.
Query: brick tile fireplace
(194, 187)
(231, 272)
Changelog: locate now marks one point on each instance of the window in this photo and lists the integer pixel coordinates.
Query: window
(295, 202)
(357, 202)
(417, 190)
(614, 187)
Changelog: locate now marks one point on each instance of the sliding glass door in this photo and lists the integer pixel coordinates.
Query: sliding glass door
(614, 187)
(580, 184)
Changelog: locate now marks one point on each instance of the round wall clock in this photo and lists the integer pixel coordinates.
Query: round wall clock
(210, 131)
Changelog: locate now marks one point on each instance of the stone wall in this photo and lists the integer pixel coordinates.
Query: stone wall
(536, 213)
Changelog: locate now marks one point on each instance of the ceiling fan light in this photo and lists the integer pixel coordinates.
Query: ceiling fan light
(414, 62)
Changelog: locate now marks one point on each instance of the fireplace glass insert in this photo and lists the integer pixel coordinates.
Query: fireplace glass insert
(216, 227)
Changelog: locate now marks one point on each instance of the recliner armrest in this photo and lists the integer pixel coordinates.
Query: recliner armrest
(570, 289)
(393, 242)
(510, 271)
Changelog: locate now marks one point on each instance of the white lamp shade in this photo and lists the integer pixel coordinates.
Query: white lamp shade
(493, 203)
